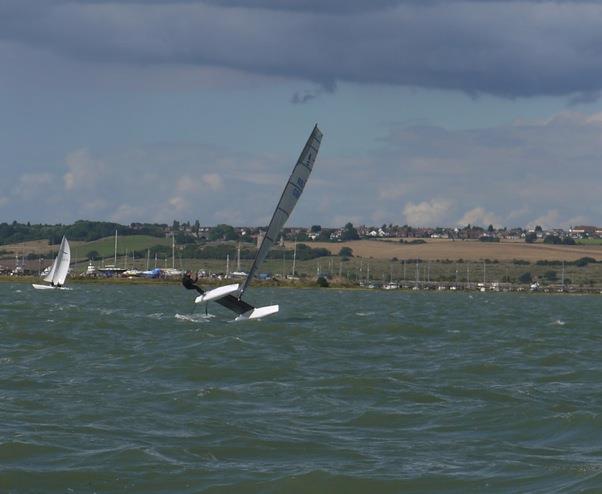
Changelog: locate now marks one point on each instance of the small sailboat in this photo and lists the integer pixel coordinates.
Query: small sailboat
(230, 296)
(58, 271)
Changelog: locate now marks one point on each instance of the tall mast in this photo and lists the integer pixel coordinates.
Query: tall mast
(173, 250)
(115, 260)
(294, 257)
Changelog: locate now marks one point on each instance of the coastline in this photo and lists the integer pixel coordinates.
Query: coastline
(333, 284)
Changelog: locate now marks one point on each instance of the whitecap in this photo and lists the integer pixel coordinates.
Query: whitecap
(194, 317)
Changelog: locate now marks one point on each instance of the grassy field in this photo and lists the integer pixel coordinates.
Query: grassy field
(467, 250)
(104, 246)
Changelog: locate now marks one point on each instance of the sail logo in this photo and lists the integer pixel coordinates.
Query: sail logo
(298, 187)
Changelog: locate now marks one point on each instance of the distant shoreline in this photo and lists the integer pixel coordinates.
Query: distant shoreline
(439, 287)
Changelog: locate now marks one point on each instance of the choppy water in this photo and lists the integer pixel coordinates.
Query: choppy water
(120, 389)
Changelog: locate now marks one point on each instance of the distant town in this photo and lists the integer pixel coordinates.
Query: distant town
(186, 232)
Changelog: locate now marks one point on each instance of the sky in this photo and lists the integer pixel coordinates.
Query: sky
(434, 112)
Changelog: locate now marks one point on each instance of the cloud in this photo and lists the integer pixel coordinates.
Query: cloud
(125, 213)
(508, 175)
(300, 98)
(511, 49)
(33, 186)
(83, 170)
(549, 220)
(426, 213)
(479, 216)
(213, 181)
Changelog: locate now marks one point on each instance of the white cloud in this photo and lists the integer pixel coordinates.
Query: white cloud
(33, 185)
(426, 213)
(479, 216)
(213, 181)
(83, 170)
(126, 213)
(549, 220)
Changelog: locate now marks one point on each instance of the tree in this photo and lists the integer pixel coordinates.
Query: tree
(315, 228)
(584, 261)
(552, 239)
(349, 233)
(346, 252)
(526, 278)
(538, 228)
(550, 275)
(324, 235)
(93, 254)
(490, 229)
(530, 237)
(223, 232)
(568, 241)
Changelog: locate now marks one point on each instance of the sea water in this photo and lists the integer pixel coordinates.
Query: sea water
(113, 388)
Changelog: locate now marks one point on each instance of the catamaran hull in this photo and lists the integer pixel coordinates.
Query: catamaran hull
(258, 313)
(49, 287)
(217, 293)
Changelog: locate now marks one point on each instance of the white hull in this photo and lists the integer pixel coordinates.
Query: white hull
(217, 293)
(258, 313)
(49, 287)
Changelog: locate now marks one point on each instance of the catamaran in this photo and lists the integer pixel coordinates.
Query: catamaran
(230, 296)
(58, 271)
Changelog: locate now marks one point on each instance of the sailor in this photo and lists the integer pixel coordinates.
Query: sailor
(189, 283)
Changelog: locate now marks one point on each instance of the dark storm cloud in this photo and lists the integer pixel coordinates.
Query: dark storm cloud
(509, 49)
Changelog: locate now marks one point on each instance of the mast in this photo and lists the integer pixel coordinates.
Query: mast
(294, 257)
(290, 195)
(115, 260)
(562, 282)
(173, 250)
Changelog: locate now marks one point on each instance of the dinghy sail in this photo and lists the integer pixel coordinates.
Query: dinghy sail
(230, 296)
(58, 273)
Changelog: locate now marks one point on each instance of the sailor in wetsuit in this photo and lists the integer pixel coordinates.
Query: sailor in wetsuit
(189, 283)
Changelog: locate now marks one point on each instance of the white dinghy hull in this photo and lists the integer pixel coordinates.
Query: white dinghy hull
(49, 287)
(258, 313)
(217, 293)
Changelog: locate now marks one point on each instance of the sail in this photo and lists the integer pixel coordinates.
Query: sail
(292, 191)
(50, 274)
(60, 268)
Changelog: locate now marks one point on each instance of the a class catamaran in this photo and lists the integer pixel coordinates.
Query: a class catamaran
(230, 296)
(58, 271)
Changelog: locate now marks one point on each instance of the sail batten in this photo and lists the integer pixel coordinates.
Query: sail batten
(290, 195)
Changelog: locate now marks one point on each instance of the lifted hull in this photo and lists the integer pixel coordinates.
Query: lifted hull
(217, 293)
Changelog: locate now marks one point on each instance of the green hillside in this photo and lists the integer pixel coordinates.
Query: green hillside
(105, 247)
